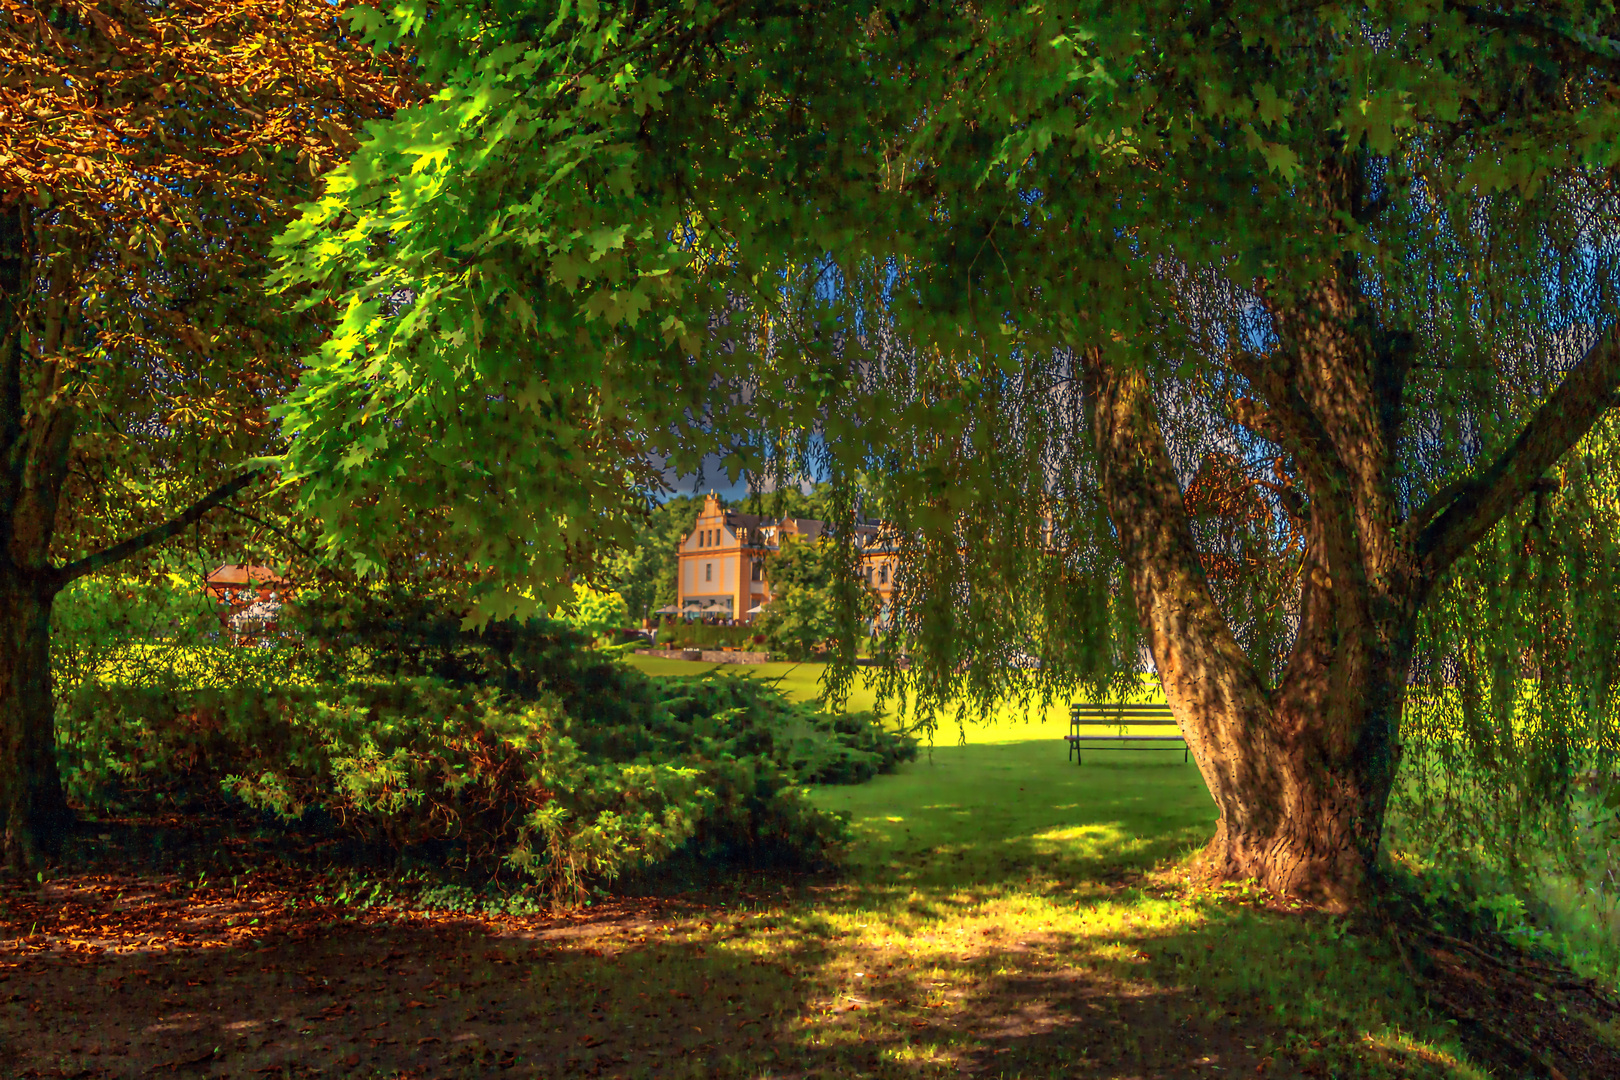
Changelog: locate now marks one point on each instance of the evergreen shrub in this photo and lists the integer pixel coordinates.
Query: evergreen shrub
(516, 752)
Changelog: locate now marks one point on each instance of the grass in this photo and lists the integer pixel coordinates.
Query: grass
(1580, 924)
(997, 915)
(1008, 721)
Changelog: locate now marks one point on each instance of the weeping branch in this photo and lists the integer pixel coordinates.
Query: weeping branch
(1457, 516)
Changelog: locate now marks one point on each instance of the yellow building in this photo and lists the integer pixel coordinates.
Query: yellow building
(723, 560)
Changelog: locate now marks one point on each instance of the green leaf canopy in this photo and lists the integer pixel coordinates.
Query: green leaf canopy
(1346, 273)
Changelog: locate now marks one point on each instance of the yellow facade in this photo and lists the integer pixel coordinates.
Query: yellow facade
(723, 560)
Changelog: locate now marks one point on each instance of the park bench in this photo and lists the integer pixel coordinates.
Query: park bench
(1123, 716)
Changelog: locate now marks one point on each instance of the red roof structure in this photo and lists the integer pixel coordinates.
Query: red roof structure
(229, 577)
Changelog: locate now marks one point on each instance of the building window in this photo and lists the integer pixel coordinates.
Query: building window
(757, 570)
(883, 575)
(708, 571)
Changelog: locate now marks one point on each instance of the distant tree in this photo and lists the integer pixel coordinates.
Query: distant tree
(645, 571)
(593, 612)
(792, 501)
(148, 153)
(801, 618)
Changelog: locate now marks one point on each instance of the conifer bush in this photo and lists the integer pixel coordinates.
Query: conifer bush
(517, 753)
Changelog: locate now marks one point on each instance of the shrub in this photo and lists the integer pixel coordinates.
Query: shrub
(592, 613)
(679, 634)
(559, 767)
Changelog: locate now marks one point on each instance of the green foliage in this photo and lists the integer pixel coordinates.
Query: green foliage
(1547, 884)
(802, 618)
(593, 613)
(590, 772)
(790, 500)
(155, 629)
(644, 572)
(1355, 244)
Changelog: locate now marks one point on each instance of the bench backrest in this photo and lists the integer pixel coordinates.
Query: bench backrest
(1091, 712)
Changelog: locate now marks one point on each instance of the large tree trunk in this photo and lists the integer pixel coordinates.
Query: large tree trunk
(1303, 776)
(1300, 773)
(35, 813)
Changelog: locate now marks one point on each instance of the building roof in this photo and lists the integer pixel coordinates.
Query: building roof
(232, 574)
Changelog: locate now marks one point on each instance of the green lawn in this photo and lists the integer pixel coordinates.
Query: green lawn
(1010, 722)
(997, 919)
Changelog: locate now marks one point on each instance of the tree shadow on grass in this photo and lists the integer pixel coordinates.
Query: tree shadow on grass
(1006, 934)
(136, 977)
(1125, 986)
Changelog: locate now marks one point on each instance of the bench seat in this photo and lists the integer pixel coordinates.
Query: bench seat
(1124, 717)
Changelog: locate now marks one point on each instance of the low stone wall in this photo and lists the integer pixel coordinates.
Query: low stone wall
(707, 656)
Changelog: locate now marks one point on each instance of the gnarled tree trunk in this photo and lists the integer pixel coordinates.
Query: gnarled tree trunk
(1300, 772)
(35, 813)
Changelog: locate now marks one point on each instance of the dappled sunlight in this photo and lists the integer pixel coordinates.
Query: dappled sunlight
(1089, 842)
(1056, 984)
(1394, 1045)
(1003, 815)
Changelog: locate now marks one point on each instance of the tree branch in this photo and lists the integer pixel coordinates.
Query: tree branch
(158, 533)
(1458, 515)
(1256, 417)
(300, 548)
(1192, 642)
(1588, 48)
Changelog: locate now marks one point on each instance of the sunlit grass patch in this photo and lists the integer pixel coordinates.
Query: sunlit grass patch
(1008, 721)
(1049, 982)
(1397, 1046)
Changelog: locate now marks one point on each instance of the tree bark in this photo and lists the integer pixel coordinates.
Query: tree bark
(33, 809)
(1300, 774)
